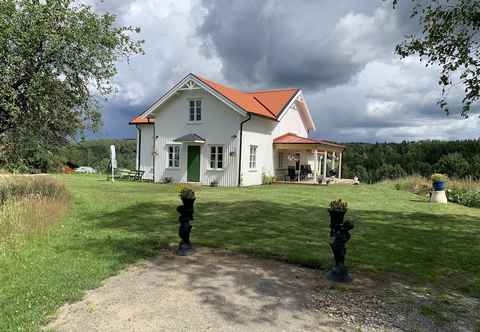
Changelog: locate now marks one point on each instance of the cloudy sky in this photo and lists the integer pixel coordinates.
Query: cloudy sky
(340, 53)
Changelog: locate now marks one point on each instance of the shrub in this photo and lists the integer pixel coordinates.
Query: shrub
(214, 183)
(266, 179)
(467, 198)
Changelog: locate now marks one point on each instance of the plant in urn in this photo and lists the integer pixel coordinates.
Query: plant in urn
(339, 236)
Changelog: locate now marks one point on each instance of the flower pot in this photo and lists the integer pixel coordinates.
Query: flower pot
(336, 217)
(439, 185)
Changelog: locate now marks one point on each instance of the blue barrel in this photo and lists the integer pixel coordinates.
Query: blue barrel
(439, 185)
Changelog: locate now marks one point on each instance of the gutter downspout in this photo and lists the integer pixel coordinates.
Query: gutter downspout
(154, 151)
(240, 148)
(139, 147)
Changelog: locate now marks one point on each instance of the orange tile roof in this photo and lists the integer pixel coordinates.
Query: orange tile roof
(264, 103)
(140, 120)
(291, 138)
(274, 100)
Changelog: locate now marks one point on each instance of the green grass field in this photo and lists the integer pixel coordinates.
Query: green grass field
(112, 225)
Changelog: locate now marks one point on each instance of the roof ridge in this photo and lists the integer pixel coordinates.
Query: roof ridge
(269, 114)
(271, 90)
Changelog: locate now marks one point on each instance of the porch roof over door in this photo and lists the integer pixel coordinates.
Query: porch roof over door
(291, 141)
(190, 138)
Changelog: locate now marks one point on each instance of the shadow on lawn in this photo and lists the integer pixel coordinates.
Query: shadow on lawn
(243, 290)
(429, 248)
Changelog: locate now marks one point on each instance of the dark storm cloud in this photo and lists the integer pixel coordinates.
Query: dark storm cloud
(301, 43)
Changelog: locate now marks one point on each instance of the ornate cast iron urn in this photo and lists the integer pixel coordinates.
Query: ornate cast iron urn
(339, 236)
(186, 215)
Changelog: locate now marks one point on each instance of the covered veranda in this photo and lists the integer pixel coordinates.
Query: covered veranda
(305, 160)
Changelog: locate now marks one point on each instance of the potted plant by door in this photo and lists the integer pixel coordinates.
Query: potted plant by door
(439, 181)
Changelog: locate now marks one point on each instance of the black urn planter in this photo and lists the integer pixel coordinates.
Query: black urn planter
(339, 235)
(336, 218)
(186, 215)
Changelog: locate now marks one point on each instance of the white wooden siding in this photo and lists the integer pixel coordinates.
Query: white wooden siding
(257, 131)
(219, 126)
(146, 150)
(291, 122)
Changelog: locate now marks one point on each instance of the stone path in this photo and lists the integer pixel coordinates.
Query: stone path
(218, 291)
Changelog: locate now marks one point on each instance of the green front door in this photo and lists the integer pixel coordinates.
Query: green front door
(193, 165)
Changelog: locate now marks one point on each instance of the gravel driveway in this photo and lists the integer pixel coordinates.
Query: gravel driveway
(218, 291)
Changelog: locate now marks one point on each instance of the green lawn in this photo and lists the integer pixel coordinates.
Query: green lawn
(112, 225)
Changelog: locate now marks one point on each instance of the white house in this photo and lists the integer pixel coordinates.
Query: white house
(201, 131)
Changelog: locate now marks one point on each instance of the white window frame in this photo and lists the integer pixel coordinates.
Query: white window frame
(176, 150)
(216, 157)
(197, 110)
(280, 160)
(252, 161)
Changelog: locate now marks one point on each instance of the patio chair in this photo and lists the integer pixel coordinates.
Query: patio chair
(136, 175)
(332, 172)
(305, 171)
(292, 175)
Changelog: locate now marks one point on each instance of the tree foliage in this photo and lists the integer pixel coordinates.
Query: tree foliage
(450, 38)
(453, 164)
(56, 56)
(376, 162)
(96, 154)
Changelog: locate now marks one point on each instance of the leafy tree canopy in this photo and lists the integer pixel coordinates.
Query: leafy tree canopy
(453, 164)
(450, 38)
(56, 56)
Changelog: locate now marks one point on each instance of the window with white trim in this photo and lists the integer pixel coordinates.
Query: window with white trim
(216, 156)
(195, 110)
(253, 157)
(174, 156)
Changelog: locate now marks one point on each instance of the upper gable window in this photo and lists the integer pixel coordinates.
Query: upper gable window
(195, 110)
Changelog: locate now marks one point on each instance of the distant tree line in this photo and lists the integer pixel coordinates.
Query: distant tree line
(96, 154)
(370, 162)
(376, 162)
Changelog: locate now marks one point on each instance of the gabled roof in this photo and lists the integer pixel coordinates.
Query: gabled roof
(265, 103)
(268, 103)
(291, 138)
